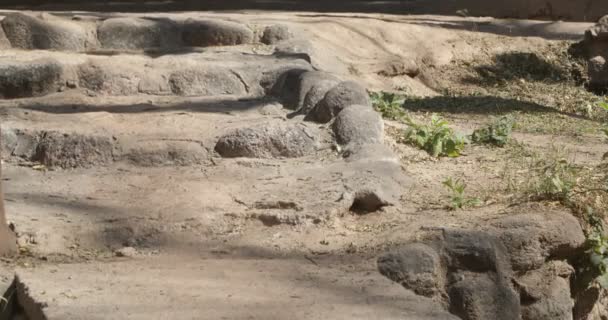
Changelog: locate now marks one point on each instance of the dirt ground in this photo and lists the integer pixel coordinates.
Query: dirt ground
(218, 225)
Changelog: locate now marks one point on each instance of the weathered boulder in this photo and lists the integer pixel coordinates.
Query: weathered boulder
(138, 33)
(275, 33)
(417, 267)
(316, 93)
(545, 293)
(532, 238)
(204, 33)
(479, 296)
(595, 47)
(359, 124)
(373, 184)
(27, 32)
(56, 149)
(268, 140)
(341, 96)
(29, 79)
(206, 82)
(294, 85)
(475, 251)
(107, 78)
(476, 272)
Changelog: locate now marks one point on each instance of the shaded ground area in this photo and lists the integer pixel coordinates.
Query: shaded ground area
(554, 9)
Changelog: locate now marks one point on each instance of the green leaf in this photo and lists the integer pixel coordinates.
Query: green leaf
(603, 280)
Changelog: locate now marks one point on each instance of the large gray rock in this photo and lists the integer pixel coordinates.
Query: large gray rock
(206, 82)
(475, 251)
(373, 184)
(532, 238)
(138, 33)
(269, 140)
(341, 96)
(276, 33)
(105, 77)
(359, 124)
(415, 266)
(545, 293)
(204, 33)
(316, 93)
(29, 79)
(27, 32)
(293, 87)
(56, 149)
(479, 276)
(481, 296)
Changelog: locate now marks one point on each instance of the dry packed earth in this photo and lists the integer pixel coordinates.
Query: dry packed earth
(231, 166)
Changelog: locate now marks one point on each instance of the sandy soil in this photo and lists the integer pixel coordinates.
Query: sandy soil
(203, 244)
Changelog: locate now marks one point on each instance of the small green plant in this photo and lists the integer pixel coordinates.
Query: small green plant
(597, 243)
(390, 105)
(458, 200)
(436, 138)
(541, 176)
(497, 133)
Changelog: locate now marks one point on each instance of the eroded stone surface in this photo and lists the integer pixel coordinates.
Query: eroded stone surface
(29, 79)
(215, 33)
(138, 33)
(359, 124)
(270, 140)
(27, 32)
(343, 95)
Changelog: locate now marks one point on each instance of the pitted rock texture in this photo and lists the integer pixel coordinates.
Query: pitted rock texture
(207, 82)
(29, 79)
(359, 124)
(269, 140)
(65, 150)
(341, 96)
(477, 279)
(202, 33)
(27, 32)
(276, 33)
(138, 33)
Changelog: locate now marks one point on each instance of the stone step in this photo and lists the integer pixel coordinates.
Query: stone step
(174, 287)
(83, 33)
(208, 73)
(168, 131)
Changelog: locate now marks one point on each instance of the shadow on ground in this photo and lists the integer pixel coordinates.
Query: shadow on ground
(210, 106)
(478, 105)
(513, 66)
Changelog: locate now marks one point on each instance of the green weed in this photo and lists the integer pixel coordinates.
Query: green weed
(597, 242)
(390, 105)
(497, 133)
(458, 199)
(436, 138)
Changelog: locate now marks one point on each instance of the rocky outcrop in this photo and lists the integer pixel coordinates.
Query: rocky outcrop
(595, 48)
(491, 275)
